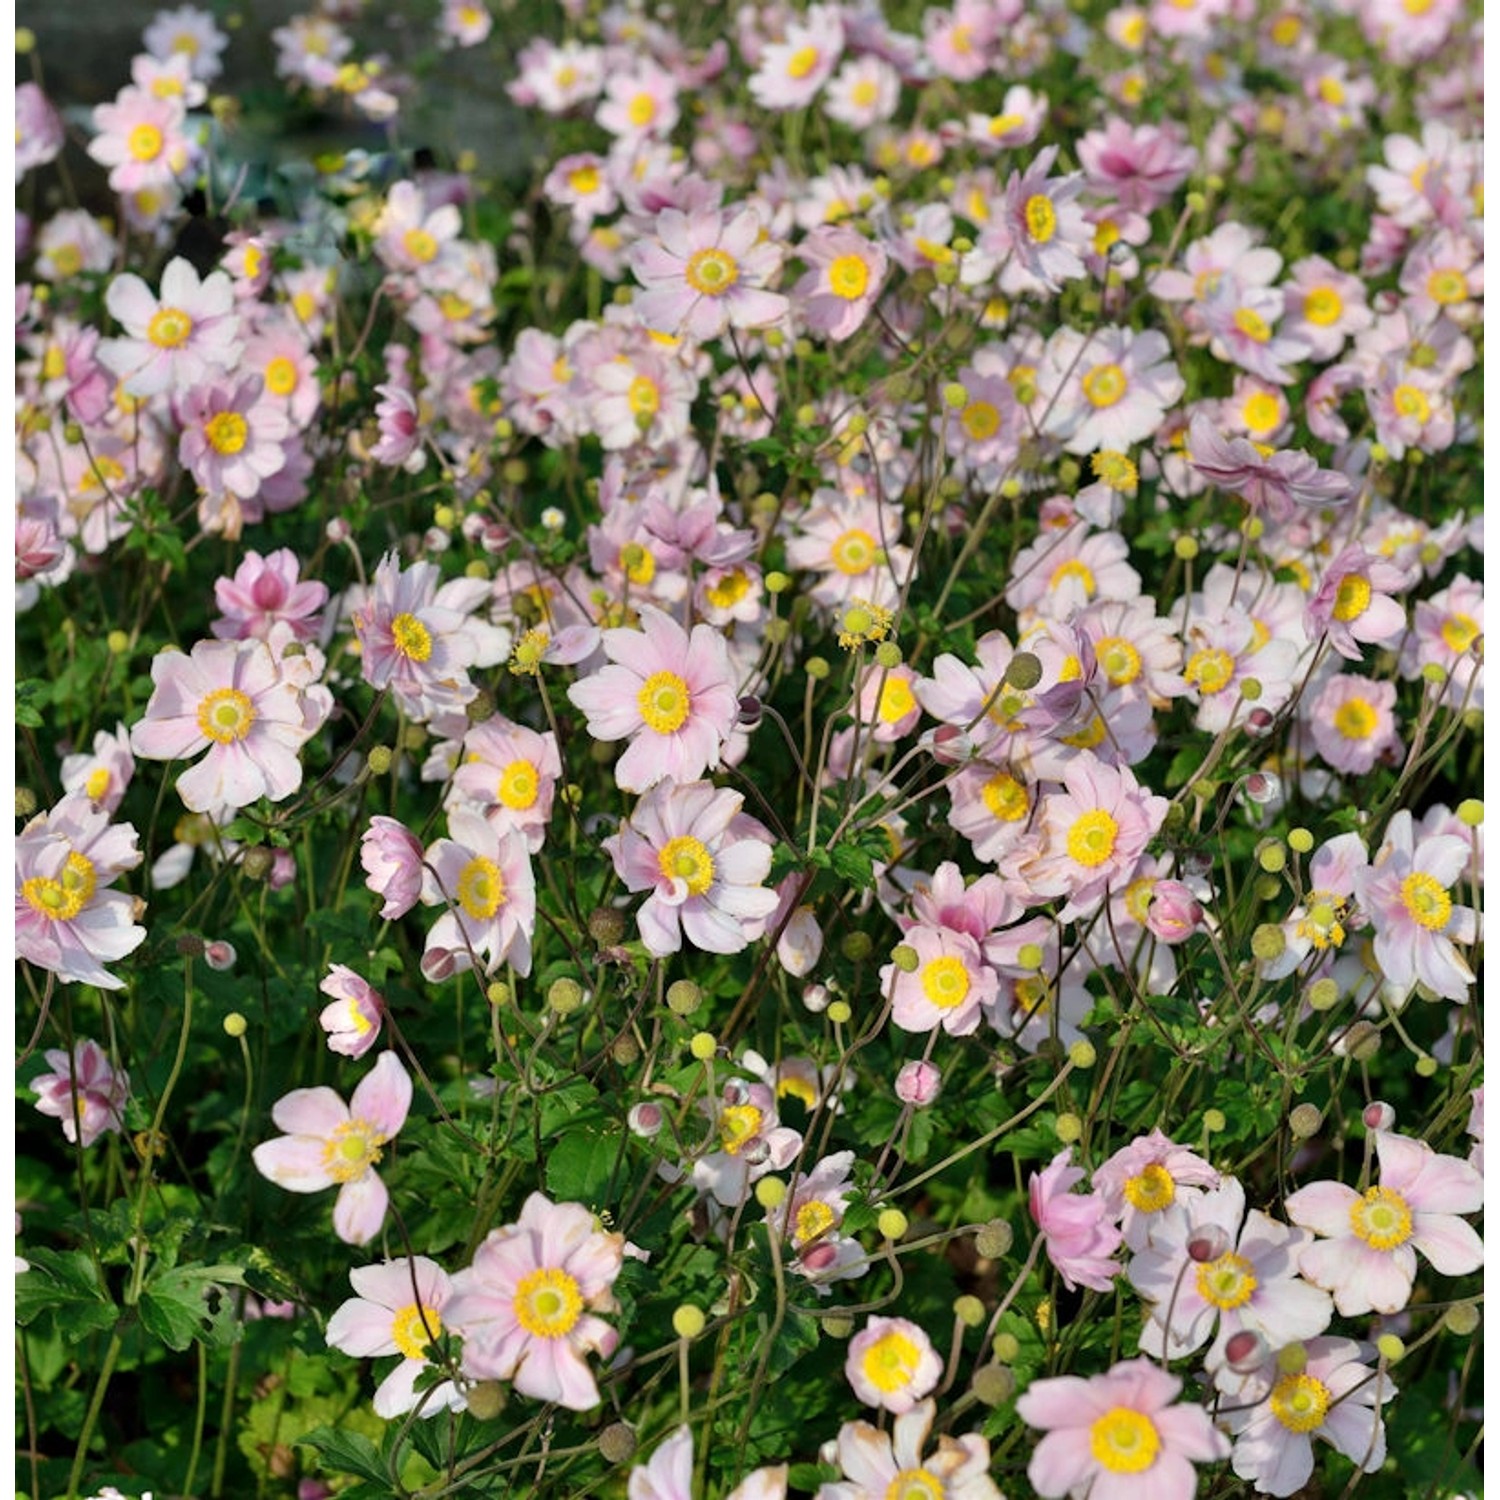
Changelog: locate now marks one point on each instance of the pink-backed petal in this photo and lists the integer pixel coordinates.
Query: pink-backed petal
(1452, 1247)
(1322, 1207)
(552, 1371)
(1061, 1463)
(362, 1329)
(383, 1095)
(293, 1162)
(317, 1112)
(359, 1209)
(1063, 1402)
(130, 303)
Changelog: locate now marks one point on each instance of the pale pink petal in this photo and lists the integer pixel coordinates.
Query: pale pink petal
(293, 1162)
(383, 1095)
(359, 1209)
(1453, 1247)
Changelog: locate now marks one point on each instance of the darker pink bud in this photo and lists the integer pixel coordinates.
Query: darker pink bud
(1245, 1351)
(1378, 1115)
(392, 858)
(818, 1256)
(1208, 1244)
(1173, 913)
(918, 1084)
(645, 1119)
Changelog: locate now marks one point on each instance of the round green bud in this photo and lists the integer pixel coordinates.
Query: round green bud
(816, 668)
(1267, 942)
(1305, 1121)
(837, 1325)
(617, 1444)
(1024, 671)
(1214, 1121)
(26, 805)
(564, 996)
(683, 997)
(892, 1223)
(1435, 673)
(1391, 1348)
(498, 994)
(118, 642)
(1250, 689)
(1426, 1066)
(234, 1024)
(888, 655)
(1006, 1347)
(857, 946)
(688, 1321)
(777, 582)
(703, 1045)
(1301, 840)
(994, 1385)
(1323, 994)
(606, 926)
(994, 1240)
(839, 1012)
(906, 958)
(1082, 1054)
(1271, 857)
(969, 1311)
(955, 396)
(1471, 812)
(1462, 1318)
(778, 631)
(1069, 1128)
(1362, 1041)
(485, 1401)
(770, 1192)
(1268, 888)
(1196, 202)
(1185, 548)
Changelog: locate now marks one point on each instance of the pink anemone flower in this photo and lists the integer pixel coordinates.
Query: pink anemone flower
(328, 1142)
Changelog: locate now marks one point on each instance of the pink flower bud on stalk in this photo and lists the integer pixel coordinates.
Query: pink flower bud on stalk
(645, 1119)
(1173, 913)
(392, 858)
(918, 1084)
(1379, 1115)
(219, 955)
(1245, 1351)
(1208, 1244)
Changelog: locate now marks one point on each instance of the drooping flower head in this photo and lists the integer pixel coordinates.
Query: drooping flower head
(82, 1091)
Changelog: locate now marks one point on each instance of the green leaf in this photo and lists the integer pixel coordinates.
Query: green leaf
(347, 1453)
(67, 1285)
(853, 864)
(580, 1165)
(28, 694)
(174, 1308)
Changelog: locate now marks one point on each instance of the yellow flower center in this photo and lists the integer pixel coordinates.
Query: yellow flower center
(225, 715)
(1416, 7)
(1005, 797)
(1410, 402)
(62, 900)
(518, 786)
(1001, 124)
(1104, 385)
(481, 888)
(1352, 599)
(67, 260)
(1285, 29)
(281, 376)
(890, 1363)
(1116, 470)
(664, 702)
(729, 590)
(413, 1328)
(643, 396)
(186, 42)
(641, 110)
(1091, 839)
(1427, 901)
(916, 1484)
(97, 784)
(1447, 287)
(548, 1303)
(848, 277)
(411, 637)
(711, 272)
(1209, 670)
(1330, 90)
(688, 860)
(54, 363)
(1073, 569)
(864, 93)
(1323, 925)
(1300, 1402)
(1261, 411)
(584, 180)
(854, 552)
(1227, 1282)
(1252, 325)
(352, 1149)
(1356, 719)
(1118, 659)
(1151, 1189)
(1381, 1219)
(169, 328)
(144, 142)
(1090, 736)
(1138, 897)
(1458, 632)
(945, 981)
(419, 245)
(1322, 306)
(739, 1124)
(1041, 218)
(1124, 1441)
(1106, 232)
(980, 420)
(802, 62)
(812, 1219)
(227, 432)
(896, 700)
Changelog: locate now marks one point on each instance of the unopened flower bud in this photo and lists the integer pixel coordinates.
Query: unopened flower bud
(969, 1311)
(485, 1401)
(617, 1444)
(839, 1012)
(257, 862)
(1322, 994)
(1024, 671)
(918, 1083)
(683, 998)
(1391, 1347)
(951, 746)
(1267, 942)
(906, 958)
(751, 710)
(1245, 1351)
(703, 1045)
(25, 802)
(1301, 840)
(1426, 1066)
(1173, 913)
(606, 926)
(1378, 1115)
(993, 1385)
(994, 1240)
(837, 1325)
(1262, 787)
(1462, 1318)
(234, 1024)
(1362, 1041)
(379, 760)
(1214, 1121)
(1305, 1121)
(1471, 812)
(857, 946)
(564, 996)
(1069, 1128)
(645, 1119)
(219, 955)
(1207, 1244)
(770, 1192)
(755, 1153)
(892, 1223)
(625, 1050)
(688, 1321)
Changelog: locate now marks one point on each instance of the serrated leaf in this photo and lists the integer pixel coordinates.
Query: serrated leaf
(67, 1285)
(579, 1166)
(173, 1307)
(347, 1453)
(853, 864)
